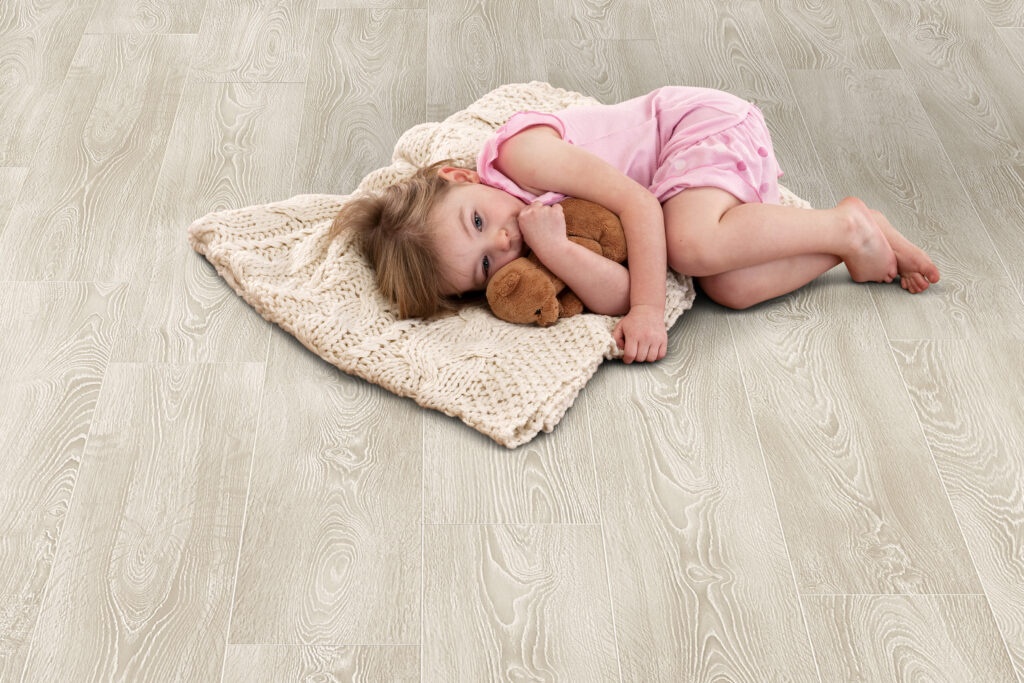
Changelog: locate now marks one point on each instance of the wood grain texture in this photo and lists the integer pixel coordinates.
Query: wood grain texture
(510, 602)
(962, 74)
(38, 39)
(1003, 13)
(829, 34)
(92, 179)
(11, 180)
(949, 638)
(997, 195)
(336, 663)
(588, 19)
(142, 578)
(469, 479)
(473, 43)
(55, 342)
(969, 402)
(233, 145)
(331, 553)
(606, 69)
(701, 584)
(254, 42)
(1013, 38)
(843, 449)
(146, 16)
(347, 116)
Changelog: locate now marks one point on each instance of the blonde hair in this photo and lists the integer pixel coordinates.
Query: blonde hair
(394, 231)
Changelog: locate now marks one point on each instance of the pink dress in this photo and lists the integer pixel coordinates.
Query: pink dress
(667, 140)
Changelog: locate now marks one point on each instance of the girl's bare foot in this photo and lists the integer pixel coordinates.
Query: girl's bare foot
(917, 272)
(870, 258)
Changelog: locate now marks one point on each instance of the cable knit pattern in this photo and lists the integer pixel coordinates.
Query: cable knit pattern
(506, 380)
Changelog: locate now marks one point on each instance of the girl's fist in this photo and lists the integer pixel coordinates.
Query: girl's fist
(542, 226)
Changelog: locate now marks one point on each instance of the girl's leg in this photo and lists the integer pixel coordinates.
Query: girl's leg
(744, 287)
(709, 231)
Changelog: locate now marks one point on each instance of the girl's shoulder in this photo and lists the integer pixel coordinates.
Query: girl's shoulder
(541, 130)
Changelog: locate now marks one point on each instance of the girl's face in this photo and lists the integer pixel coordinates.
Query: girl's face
(478, 232)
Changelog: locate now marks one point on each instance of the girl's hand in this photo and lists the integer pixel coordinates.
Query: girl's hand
(542, 227)
(642, 334)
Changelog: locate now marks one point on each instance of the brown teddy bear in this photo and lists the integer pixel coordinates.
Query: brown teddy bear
(524, 291)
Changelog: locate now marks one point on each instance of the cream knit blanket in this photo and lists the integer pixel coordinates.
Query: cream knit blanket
(506, 380)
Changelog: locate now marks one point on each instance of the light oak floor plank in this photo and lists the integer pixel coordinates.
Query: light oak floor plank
(55, 344)
(146, 16)
(11, 180)
(701, 581)
(948, 638)
(607, 70)
(232, 145)
(249, 42)
(962, 74)
(576, 19)
(331, 552)
(1013, 38)
(143, 574)
(91, 182)
(341, 663)
(828, 35)
(968, 399)
(843, 447)
(997, 194)
(354, 110)
(475, 46)
(332, 546)
(37, 43)
(469, 479)
(511, 602)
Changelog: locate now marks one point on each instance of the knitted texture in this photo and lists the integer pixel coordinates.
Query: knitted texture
(505, 380)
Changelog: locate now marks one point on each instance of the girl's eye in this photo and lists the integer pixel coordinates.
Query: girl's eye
(487, 263)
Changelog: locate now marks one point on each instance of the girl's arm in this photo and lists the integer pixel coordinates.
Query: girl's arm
(600, 283)
(533, 158)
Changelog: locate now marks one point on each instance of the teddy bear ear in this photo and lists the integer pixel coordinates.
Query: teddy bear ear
(505, 285)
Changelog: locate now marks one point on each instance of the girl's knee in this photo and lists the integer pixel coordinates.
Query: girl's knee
(726, 291)
(693, 258)
(691, 218)
(687, 247)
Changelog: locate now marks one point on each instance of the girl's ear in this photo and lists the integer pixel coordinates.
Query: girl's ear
(460, 175)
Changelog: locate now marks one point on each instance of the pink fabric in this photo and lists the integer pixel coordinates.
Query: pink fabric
(670, 139)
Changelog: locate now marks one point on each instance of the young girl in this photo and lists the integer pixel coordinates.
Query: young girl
(692, 176)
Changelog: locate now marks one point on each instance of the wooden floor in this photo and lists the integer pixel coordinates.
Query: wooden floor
(825, 487)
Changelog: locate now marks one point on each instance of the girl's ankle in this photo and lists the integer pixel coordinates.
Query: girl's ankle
(844, 226)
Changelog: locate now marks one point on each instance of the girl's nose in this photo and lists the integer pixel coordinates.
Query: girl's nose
(504, 241)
